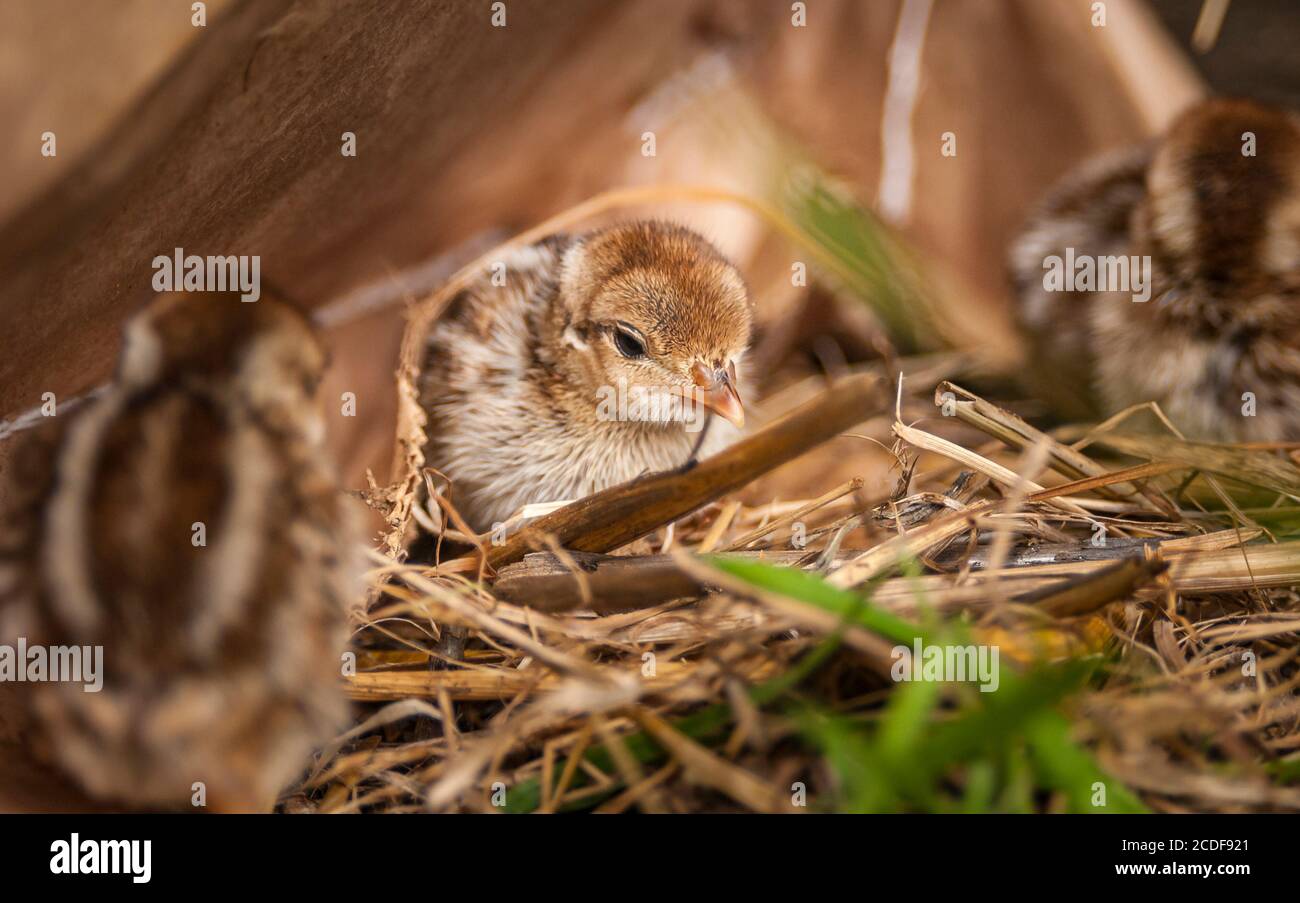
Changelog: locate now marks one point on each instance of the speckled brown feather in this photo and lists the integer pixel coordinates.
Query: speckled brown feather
(513, 371)
(221, 661)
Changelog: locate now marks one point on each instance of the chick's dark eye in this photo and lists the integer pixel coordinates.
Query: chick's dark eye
(628, 343)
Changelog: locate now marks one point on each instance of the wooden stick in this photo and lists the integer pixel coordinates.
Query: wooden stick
(625, 583)
(501, 684)
(622, 513)
(1080, 595)
(540, 581)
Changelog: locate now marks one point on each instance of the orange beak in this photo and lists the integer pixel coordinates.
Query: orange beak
(720, 395)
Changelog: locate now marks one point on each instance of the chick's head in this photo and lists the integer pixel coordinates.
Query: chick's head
(655, 312)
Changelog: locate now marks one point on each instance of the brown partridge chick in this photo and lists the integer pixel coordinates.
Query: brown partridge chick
(1211, 215)
(581, 362)
(185, 523)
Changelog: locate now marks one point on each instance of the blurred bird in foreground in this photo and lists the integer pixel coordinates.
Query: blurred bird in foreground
(1211, 213)
(186, 522)
(581, 362)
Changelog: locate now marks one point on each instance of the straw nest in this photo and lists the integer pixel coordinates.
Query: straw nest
(1150, 647)
(697, 642)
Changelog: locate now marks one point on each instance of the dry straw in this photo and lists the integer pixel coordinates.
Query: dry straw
(605, 672)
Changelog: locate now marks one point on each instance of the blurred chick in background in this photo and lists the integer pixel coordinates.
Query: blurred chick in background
(1214, 206)
(186, 522)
